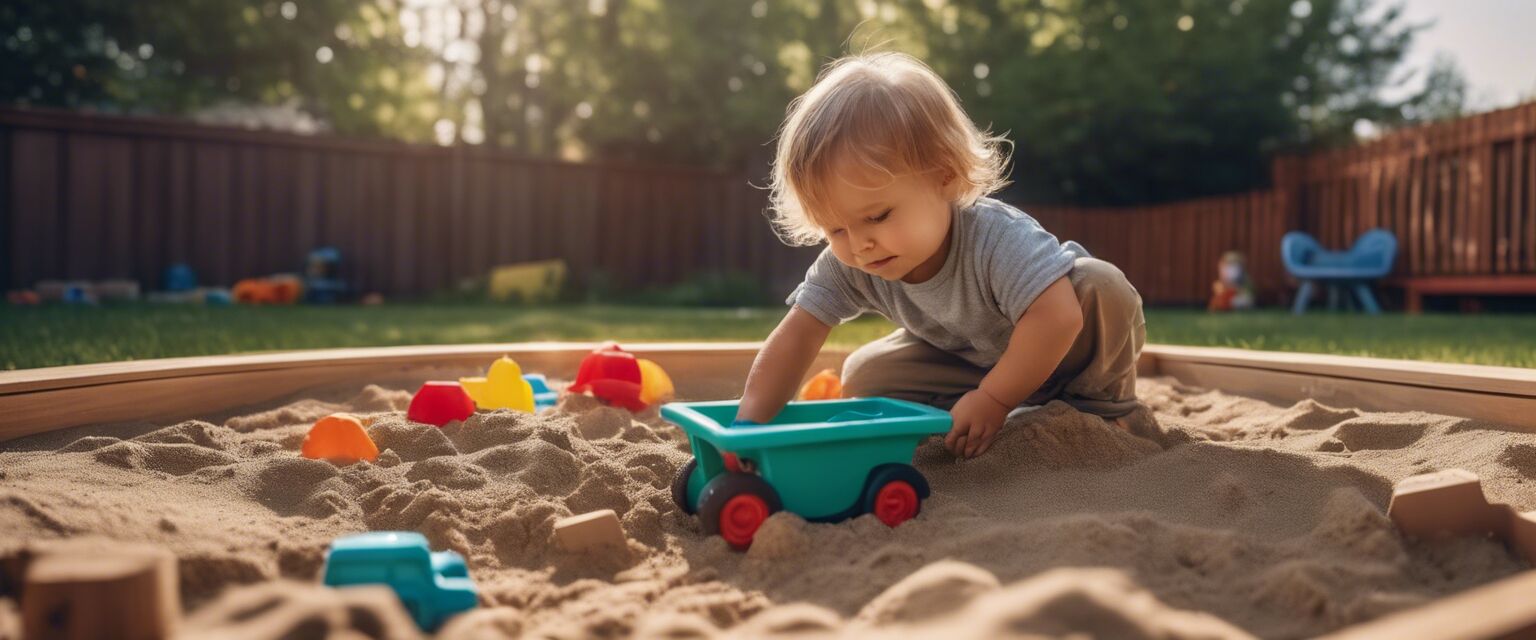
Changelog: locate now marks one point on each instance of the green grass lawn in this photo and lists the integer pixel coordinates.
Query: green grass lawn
(58, 335)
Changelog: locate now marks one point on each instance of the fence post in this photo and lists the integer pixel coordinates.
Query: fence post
(7, 251)
(1287, 181)
(1288, 184)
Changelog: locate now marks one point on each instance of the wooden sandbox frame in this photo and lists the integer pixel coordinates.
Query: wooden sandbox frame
(41, 400)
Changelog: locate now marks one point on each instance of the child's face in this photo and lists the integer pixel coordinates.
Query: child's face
(891, 228)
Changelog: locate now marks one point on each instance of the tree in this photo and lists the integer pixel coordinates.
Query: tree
(1108, 101)
(1444, 95)
(341, 60)
(1130, 101)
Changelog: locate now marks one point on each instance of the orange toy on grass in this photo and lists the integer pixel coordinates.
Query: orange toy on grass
(279, 290)
(286, 289)
(340, 438)
(252, 291)
(822, 386)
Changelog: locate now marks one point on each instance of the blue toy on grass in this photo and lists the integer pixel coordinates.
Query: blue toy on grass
(432, 586)
(177, 278)
(1352, 270)
(322, 281)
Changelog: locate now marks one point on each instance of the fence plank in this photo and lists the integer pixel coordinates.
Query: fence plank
(36, 214)
(138, 195)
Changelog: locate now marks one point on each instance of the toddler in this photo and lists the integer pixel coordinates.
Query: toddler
(879, 161)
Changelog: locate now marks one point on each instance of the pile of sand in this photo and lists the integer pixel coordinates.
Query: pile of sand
(1229, 517)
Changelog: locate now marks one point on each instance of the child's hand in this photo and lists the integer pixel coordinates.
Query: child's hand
(977, 419)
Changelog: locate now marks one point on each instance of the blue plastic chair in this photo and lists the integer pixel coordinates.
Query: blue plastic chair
(1352, 270)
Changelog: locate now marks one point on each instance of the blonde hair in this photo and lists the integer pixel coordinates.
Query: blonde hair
(888, 112)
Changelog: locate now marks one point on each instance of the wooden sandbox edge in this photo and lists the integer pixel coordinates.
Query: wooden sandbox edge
(1501, 395)
(1502, 610)
(40, 400)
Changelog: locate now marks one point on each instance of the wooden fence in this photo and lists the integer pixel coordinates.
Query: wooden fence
(94, 197)
(1170, 251)
(1459, 195)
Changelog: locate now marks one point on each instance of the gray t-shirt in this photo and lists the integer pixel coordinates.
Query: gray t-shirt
(999, 261)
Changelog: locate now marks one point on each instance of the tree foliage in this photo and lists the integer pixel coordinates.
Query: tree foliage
(1107, 101)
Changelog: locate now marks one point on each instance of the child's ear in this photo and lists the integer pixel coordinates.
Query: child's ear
(950, 186)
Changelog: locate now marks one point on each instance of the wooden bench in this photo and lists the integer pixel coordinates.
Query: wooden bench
(1415, 288)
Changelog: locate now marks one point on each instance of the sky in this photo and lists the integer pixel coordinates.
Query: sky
(1491, 40)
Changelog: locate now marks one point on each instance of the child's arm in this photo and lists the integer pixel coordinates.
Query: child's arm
(777, 371)
(1040, 339)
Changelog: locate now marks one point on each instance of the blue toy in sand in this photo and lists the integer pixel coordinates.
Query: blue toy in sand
(824, 460)
(543, 397)
(432, 586)
(1352, 270)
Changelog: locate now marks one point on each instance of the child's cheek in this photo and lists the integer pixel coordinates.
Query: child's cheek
(840, 250)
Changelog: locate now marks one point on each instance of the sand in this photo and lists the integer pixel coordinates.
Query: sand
(1224, 517)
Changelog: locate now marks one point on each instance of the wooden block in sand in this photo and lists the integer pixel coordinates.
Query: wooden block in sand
(591, 531)
(1448, 504)
(127, 591)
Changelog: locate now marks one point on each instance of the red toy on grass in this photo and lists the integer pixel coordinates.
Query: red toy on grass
(439, 402)
(612, 375)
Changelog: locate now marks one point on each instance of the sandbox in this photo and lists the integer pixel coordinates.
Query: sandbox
(1257, 509)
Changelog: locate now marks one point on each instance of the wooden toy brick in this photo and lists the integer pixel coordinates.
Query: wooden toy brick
(115, 592)
(589, 531)
(1443, 505)
(1450, 503)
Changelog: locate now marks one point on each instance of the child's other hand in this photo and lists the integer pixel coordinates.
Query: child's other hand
(977, 419)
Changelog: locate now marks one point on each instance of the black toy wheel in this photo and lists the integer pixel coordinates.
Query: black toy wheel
(680, 486)
(895, 493)
(734, 505)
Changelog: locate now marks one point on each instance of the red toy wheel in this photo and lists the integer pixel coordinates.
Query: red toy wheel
(894, 493)
(740, 518)
(734, 505)
(895, 503)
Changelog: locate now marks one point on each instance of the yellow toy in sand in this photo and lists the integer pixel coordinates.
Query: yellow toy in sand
(655, 384)
(503, 387)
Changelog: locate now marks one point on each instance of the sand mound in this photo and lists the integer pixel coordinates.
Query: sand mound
(288, 609)
(1091, 603)
(1215, 517)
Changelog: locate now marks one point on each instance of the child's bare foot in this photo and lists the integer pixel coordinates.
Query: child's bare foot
(1122, 423)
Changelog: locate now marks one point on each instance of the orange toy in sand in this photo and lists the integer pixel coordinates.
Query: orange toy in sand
(822, 386)
(340, 438)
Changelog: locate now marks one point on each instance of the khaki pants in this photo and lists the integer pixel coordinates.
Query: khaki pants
(1098, 374)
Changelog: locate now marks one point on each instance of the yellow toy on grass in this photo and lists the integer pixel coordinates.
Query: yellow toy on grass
(528, 281)
(503, 387)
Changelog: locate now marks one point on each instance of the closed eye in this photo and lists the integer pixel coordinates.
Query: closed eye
(881, 217)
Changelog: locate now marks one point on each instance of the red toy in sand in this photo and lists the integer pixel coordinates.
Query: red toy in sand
(612, 375)
(439, 402)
